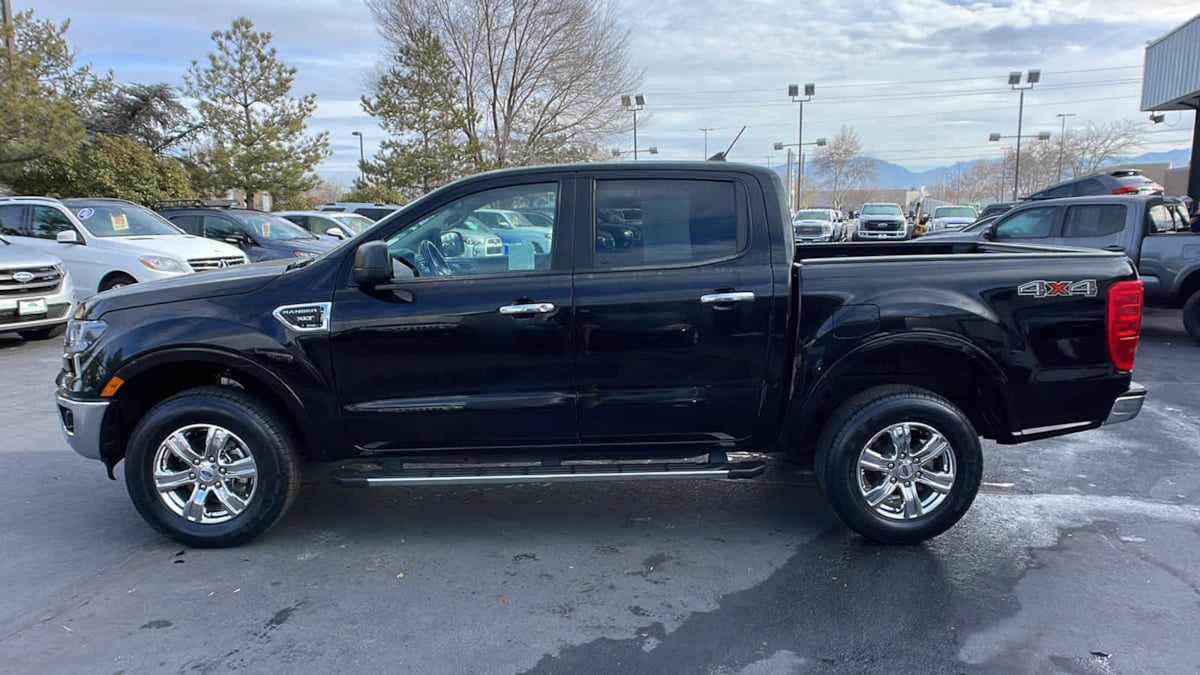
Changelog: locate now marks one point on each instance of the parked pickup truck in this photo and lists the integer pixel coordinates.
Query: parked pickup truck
(1154, 231)
(693, 354)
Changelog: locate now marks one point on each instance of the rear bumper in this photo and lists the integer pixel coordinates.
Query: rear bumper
(1128, 405)
(81, 422)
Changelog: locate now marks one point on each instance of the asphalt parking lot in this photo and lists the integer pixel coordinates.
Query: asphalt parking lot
(1078, 557)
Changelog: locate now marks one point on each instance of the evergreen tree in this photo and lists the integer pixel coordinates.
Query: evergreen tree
(416, 102)
(256, 129)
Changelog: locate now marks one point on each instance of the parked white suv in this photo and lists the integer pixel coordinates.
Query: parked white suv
(107, 243)
(36, 293)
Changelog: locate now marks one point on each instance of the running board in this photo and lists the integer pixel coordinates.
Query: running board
(742, 465)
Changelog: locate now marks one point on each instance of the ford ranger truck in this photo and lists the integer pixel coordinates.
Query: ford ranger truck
(706, 346)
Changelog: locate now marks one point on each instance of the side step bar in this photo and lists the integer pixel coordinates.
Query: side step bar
(740, 465)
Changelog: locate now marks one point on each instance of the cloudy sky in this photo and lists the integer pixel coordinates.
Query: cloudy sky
(922, 82)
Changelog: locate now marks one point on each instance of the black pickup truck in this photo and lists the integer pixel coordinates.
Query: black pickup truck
(693, 346)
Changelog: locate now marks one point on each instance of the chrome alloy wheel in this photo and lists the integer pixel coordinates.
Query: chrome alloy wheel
(906, 471)
(205, 474)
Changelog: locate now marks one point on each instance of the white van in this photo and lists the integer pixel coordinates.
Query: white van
(108, 243)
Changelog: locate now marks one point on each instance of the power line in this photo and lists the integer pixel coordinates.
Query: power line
(889, 83)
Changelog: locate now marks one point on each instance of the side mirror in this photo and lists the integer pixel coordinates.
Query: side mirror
(990, 232)
(67, 237)
(372, 265)
(237, 239)
(453, 245)
(336, 232)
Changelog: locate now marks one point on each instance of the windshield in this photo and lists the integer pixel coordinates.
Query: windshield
(954, 212)
(813, 215)
(355, 222)
(268, 226)
(119, 219)
(881, 210)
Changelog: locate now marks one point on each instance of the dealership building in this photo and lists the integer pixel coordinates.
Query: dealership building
(1171, 81)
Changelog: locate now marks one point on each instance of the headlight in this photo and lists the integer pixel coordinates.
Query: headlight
(303, 254)
(827, 229)
(163, 264)
(81, 335)
(470, 241)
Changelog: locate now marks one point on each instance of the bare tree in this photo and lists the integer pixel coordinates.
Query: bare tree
(328, 190)
(1088, 149)
(538, 77)
(843, 164)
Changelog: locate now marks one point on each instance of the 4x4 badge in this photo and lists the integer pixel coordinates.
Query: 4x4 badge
(1052, 289)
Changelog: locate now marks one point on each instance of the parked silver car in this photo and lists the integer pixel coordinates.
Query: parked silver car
(37, 296)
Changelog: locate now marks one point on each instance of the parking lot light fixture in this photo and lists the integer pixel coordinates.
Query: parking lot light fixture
(794, 93)
(1014, 81)
(634, 104)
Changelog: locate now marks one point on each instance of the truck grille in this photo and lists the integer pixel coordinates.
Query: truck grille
(38, 281)
(809, 230)
(493, 247)
(881, 226)
(203, 264)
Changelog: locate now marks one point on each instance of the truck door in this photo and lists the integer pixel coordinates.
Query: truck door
(471, 352)
(673, 294)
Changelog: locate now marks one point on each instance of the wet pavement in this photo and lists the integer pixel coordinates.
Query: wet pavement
(1079, 556)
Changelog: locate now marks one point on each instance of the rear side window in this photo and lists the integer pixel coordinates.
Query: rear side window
(1094, 220)
(1027, 224)
(654, 223)
(1090, 186)
(190, 224)
(12, 218)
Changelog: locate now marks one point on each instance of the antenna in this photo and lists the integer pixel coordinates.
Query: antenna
(720, 156)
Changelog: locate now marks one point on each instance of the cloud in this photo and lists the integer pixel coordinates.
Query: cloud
(711, 63)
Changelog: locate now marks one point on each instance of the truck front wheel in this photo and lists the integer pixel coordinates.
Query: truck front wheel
(899, 465)
(1191, 316)
(211, 467)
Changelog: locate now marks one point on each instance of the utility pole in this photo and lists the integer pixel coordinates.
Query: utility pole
(1062, 141)
(706, 130)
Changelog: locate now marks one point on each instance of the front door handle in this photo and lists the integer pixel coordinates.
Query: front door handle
(523, 310)
(723, 298)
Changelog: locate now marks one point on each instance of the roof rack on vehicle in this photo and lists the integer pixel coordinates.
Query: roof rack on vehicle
(195, 203)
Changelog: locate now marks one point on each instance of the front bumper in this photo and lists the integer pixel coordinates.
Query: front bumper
(1128, 405)
(883, 234)
(81, 422)
(60, 304)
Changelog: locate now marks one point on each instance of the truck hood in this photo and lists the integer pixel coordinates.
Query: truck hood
(957, 220)
(881, 217)
(807, 221)
(217, 283)
(180, 246)
(15, 255)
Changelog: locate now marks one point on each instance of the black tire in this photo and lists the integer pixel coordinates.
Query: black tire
(1191, 316)
(266, 437)
(856, 422)
(42, 333)
(116, 280)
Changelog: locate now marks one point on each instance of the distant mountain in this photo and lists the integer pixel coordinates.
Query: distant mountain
(894, 176)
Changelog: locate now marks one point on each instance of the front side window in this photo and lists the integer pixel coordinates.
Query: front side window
(1094, 220)
(1028, 224)
(48, 222)
(456, 239)
(216, 227)
(663, 222)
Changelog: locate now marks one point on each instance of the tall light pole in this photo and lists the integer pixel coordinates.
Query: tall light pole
(794, 93)
(995, 137)
(637, 103)
(1014, 80)
(362, 159)
(706, 130)
(820, 142)
(1062, 141)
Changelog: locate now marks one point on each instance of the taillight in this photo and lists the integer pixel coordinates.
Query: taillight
(1124, 322)
(1125, 191)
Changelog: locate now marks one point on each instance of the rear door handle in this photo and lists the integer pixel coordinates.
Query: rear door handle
(723, 298)
(522, 310)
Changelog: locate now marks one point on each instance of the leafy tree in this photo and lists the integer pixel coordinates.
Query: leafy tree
(109, 167)
(44, 43)
(256, 129)
(374, 194)
(416, 100)
(37, 119)
(150, 114)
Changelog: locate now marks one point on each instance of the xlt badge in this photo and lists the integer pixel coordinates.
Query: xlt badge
(309, 317)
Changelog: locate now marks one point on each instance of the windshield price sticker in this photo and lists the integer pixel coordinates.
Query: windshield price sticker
(119, 222)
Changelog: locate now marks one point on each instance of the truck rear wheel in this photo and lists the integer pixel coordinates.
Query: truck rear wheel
(1191, 316)
(211, 467)
(899, 465)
